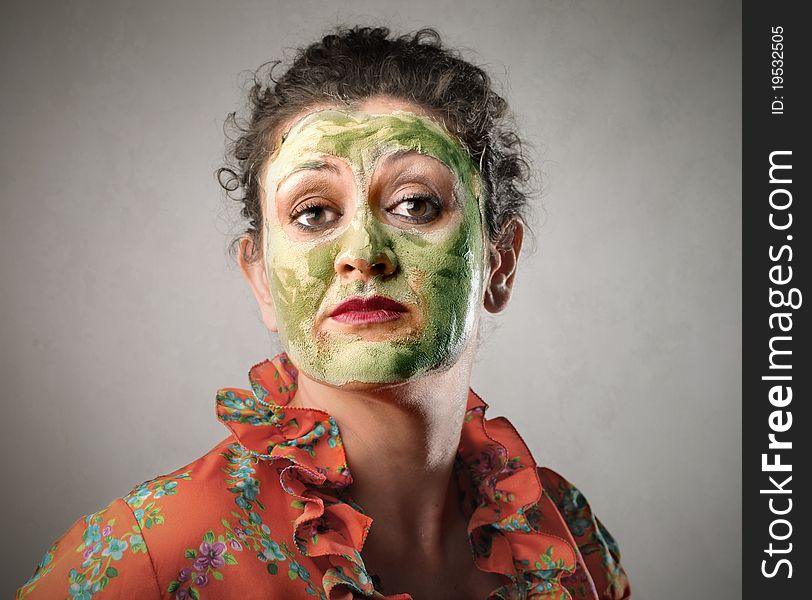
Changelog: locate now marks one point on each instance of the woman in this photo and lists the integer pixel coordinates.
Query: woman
(383, 194)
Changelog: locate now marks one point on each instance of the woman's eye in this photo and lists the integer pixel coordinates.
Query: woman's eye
(417, 209)
(315, 217)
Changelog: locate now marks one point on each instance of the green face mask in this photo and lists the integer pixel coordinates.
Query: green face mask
(437, 268)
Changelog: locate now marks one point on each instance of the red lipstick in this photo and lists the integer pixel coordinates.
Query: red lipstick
(372, 309)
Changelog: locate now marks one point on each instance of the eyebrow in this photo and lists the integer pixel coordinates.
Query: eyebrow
(404, 153)
(313, 164)
(400, 155)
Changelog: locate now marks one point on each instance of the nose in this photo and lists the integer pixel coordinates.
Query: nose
(365, 253)
(355, 268)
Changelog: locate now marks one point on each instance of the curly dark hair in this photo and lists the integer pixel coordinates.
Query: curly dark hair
(352, 64)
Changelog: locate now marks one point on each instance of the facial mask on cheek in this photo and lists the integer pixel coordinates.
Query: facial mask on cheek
(439, 275)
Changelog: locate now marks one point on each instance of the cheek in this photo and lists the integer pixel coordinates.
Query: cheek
(298, 278)
(446, 272)
(321, 262)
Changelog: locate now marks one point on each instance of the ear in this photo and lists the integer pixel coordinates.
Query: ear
(504, 259)
(253, 269)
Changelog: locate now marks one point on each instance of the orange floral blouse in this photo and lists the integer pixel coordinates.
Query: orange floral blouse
(268, 514)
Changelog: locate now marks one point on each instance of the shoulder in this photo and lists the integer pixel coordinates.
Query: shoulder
(598, 552)
(155, 539)
(107, 551)
(189, 488)
(220, 527)
(101, 551)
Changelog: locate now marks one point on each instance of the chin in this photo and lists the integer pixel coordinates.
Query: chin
(362, 366)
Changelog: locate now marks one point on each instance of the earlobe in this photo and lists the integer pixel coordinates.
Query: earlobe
(503, 263)
(253, 269)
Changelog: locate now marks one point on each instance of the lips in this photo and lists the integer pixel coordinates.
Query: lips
(372, 309)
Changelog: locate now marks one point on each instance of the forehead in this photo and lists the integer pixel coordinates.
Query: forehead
(362, 138)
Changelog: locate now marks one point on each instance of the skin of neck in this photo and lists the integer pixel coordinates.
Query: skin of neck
(402, 441)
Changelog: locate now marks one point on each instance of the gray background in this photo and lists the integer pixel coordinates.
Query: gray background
(619, 358)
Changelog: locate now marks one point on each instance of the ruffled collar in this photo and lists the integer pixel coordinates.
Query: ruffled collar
(514, 529)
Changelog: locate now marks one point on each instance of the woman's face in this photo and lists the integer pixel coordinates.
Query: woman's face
(374, 244)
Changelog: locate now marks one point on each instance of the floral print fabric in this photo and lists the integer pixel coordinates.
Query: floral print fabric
(268, 514)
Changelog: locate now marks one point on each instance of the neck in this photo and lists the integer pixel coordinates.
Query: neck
(401, 441)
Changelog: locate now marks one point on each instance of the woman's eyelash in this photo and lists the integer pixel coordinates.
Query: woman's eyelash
(304, 207)
(435, 204)
(432, 208)
(433, 200)
(307, 206)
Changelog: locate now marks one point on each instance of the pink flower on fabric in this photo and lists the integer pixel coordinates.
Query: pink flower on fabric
(211, 555)
(201, 580)
(487, 460)
(107, 531)
(184, 574)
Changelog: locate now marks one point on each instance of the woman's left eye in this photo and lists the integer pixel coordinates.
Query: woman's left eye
(417, 209)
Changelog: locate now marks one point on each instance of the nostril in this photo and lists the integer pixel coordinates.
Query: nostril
(359, 267)
(356, 267)
(384, 266)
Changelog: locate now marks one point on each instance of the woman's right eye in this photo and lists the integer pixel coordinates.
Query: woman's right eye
(313, 217)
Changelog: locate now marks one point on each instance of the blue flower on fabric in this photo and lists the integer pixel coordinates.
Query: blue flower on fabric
(138, 495)
(166, 489)
(80, 591)
(260, 392)
(544, 586)
(46, 559)
(249, 488)
(242, 472)
(300, 571)
(232, 400)
(92, 534)
(578, 526)
(574, 508)
(115, 550)
(270, 551)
